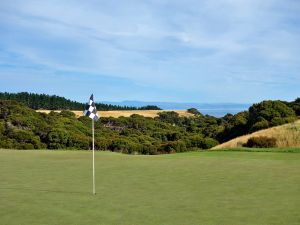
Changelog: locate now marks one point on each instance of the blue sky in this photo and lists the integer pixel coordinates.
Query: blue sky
(239, 51)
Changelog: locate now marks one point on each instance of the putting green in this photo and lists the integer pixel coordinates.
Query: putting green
(207, 188)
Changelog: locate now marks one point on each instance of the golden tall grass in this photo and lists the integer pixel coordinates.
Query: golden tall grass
(127, 113)
(287, 135)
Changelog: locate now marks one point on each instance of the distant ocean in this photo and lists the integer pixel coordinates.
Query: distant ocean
(221, 112)
(213, 109)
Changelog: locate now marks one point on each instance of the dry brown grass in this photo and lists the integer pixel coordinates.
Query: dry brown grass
(127, 113)
(287, 135)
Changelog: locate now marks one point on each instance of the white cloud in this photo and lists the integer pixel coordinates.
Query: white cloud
(181, 44)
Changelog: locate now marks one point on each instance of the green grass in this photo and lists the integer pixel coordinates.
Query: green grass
(245, 149)
(220, 188)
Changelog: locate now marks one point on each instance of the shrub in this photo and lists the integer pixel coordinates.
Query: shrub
(196, 141)
(57, 138)
(174, 136)
(295, 105)
(26, 139)
(25, 146)
(102, 143)
(277, 121)
(259, 125)
(261, 142)
(4, 110)
(269, 110)
(173, 146)
(169, 117)
(77, 141)
(8, 143)
(126, 146)
(150, 107)
(208, 143)
(67, 113)
(159, 136)
(2, 127)
(149, 149)
(194, 111)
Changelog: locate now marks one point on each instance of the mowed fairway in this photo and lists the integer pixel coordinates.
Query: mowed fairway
(220, 188)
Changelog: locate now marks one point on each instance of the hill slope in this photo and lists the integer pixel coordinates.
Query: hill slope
(287, 135)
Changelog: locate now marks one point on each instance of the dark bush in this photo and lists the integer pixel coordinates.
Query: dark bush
(295, 105)
(173, 146)
(25, 139)
(102, 143)
(169, 117)
(196, 141)
(2, 127)
(276, 111)
(149, 107)
(126, 146)
(208, 143)
(25, 146)
(149, 149)
(77, 141)
(259, 125)
(57, 139)
(173, 136)
(4, 110)
(67, 113)
(194, 111)
(8, 143)
(261, 142)
(276, 121)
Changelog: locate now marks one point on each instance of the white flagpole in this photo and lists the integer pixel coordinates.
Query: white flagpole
(94, 188)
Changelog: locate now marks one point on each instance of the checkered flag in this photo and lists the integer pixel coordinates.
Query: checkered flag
(90, 109)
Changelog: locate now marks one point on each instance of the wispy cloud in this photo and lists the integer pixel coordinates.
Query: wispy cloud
(196, 50)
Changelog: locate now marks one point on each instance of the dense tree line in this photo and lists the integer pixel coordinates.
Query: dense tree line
(53, 102)
(24, 128)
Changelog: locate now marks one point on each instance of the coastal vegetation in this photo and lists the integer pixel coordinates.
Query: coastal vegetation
(23, 128)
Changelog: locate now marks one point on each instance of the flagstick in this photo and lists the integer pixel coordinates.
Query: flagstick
(94, 189)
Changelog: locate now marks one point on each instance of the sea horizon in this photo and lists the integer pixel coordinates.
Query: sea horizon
(212, 109)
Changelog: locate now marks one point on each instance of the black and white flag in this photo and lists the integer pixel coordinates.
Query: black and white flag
(90, 109)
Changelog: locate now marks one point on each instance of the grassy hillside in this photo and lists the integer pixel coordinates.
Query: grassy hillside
(210, 188)
(287, 135)
(128, 113)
